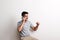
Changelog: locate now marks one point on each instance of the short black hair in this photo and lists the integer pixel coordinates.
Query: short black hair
(23, 13)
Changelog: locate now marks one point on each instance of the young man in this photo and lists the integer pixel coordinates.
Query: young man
(24, 27)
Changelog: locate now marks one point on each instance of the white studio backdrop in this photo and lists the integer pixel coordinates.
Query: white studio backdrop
(47, 12)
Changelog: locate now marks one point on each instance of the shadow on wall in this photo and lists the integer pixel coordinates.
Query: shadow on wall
(11, 32)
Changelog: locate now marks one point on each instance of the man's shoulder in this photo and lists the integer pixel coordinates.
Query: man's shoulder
(19, 21)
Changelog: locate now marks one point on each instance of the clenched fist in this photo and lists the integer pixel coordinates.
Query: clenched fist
(37, 23)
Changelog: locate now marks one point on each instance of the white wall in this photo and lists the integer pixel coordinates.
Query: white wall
(47, 12)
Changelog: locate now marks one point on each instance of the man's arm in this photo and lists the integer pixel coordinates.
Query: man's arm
(21, 26)
(36, 27)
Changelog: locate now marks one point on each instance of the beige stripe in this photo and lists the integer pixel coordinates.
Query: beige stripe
(28, 38)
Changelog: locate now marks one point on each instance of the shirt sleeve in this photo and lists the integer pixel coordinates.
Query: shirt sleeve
(31, 25)
(18, 24)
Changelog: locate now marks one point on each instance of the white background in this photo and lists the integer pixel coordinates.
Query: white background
(47, 12)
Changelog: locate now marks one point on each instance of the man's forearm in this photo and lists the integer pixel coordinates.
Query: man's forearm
(35, 28)
(20, 27)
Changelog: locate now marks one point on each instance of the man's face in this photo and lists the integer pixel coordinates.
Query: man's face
(26, 16)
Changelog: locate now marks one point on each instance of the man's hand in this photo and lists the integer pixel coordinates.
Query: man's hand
(24, 19)
(37, 23)
(36, 27)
